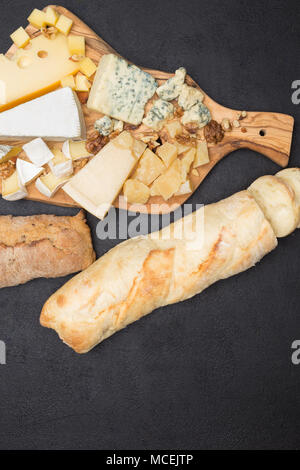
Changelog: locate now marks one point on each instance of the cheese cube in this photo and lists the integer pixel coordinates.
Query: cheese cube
(97, 185)
(184, 188)
(12, 190)
(136, 192)
(27, 172)
(82, 83)
(75, 150)
(76, 45)
(37, 18)
(68, 81)
(87, 67)
(60, 165)
(169, 183)
(49, 184)
(51, 16)
(20, 37)
(38, 152)
(64, 24)
(174, 128)
(202, 156)
(149, 167)
(186, 162)
(167, 152)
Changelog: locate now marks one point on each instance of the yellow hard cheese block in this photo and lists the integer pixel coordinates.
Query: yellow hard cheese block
(34, 72)
(97, 185)
(20, 37)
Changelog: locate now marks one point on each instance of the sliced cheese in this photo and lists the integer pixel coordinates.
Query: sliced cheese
(202, 155)
(97, 185)
(169, 183)
(7, 152)
(61, 166)
(38, 152)
(185, 188)
(167, 152)
(27, 172)
(136, 192)
(149, 168)
(75, 149)
(35, 71)
(12, 190)
(49, 184)
(55, 116)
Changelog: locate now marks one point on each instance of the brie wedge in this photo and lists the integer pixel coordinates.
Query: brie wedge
(61, 165)
(55, 116)
(49, 184)
(7, 152)
(27, 172)
(75, 149)
(12, 189)
(38, 152)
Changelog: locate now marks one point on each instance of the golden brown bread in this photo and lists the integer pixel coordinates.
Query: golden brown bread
(43, 246)
(144, 273)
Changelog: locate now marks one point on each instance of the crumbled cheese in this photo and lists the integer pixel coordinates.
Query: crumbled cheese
(172, 88)
(160, 111)
(189, 96)
(104, 125)
(198, 114)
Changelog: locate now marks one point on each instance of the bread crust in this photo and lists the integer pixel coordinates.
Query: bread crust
(145, 273)
(43, 246)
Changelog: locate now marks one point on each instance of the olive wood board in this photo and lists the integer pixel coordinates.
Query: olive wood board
(267, 133)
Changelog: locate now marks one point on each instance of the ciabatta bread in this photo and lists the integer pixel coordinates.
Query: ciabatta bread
(43, 246)
(144, 273)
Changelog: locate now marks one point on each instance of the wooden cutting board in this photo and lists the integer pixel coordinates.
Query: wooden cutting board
(264, 132)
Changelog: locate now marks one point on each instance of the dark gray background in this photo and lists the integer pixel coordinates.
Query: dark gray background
(214, 371)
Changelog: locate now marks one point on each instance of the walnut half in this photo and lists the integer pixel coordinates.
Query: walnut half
(213, 132)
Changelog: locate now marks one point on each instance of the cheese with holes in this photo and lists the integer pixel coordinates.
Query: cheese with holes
(27, 172)
(55, 116)
(121, 90)
(29, 73)
(12, 189)
(96, 186)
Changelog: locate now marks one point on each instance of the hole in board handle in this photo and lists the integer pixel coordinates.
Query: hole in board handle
(262, 132)
(42, 54)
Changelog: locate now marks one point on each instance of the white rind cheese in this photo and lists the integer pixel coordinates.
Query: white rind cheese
(121, 90)
(55, 116)
(160, 111)
(27, 172)
(97, 185)
(12, 189)
(49, 184)
(38, 152)
(75, 149)
(61, 166)
(170, 90)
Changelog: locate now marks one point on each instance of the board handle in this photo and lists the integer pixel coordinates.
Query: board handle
(267, 133)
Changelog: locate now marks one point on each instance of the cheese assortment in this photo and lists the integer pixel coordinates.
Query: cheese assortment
(47, 85)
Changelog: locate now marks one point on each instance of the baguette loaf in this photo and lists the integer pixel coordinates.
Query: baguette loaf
(43, 246)
(144, 273)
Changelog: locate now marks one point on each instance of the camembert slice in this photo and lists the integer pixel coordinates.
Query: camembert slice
(27, 172)
(49, 184)
(97, 185)
(12, 189)
(55, 116)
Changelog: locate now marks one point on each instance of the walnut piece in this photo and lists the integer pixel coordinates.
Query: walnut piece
(213, 132)
(95, 142)
(50, 32)
(7, 169)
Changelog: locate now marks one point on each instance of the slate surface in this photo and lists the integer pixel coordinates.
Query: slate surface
(212, 372)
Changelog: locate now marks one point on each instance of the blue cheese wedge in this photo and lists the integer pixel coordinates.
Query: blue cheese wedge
(189, 96)
(12, 189)
(157, 115)
(171, 89)
(121, 90)
(104, 125)
(198, 114)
